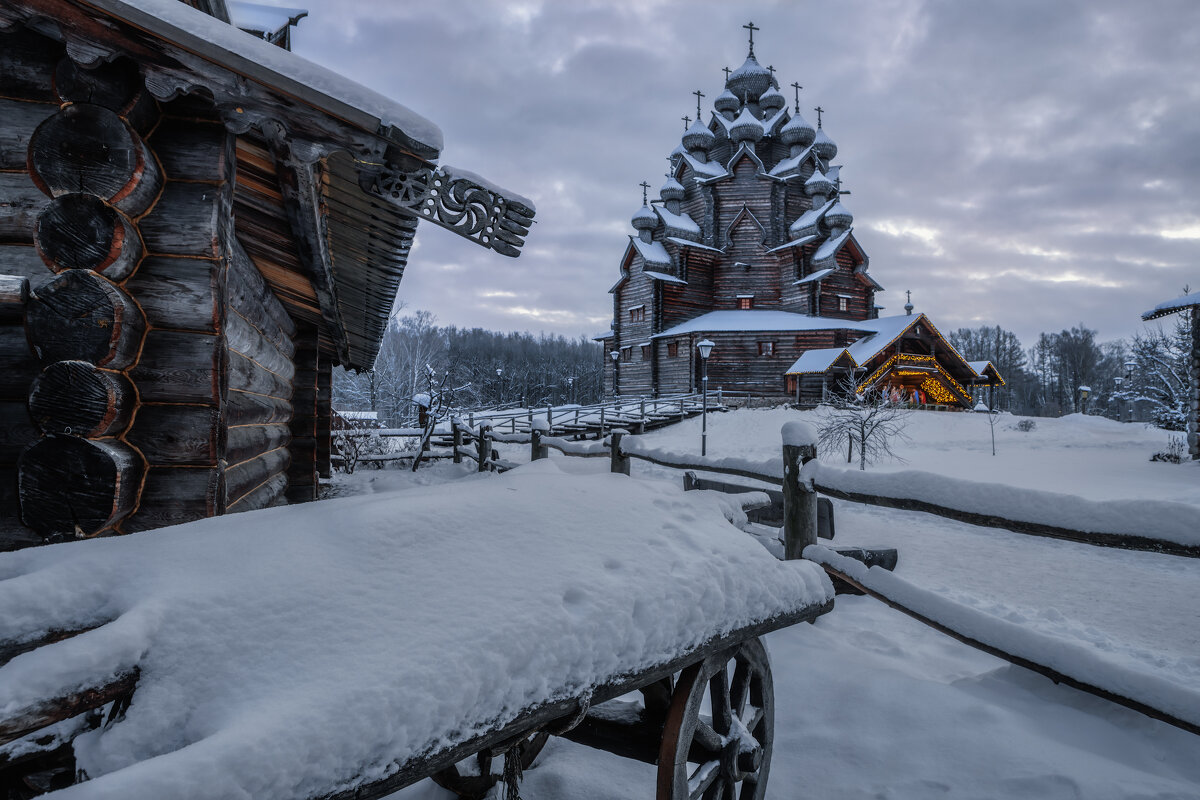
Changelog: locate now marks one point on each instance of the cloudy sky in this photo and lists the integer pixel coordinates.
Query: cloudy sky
(1029, 164)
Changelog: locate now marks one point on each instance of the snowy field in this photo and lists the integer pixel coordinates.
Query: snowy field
(871, 704)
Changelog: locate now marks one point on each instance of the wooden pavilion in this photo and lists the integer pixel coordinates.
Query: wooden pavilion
(1187, 304)
(195, 226)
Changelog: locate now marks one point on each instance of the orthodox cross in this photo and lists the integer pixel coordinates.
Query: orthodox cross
(727, 71)
(698, 94)
(752, 28)
(771, 69)
(797, 87)
(908, 296)
(819, 111)
(838, 186)
(645, 187)
(686, 122)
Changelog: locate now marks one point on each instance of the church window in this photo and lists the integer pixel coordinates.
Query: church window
(637, 314)
(645, 352)
(766, 349)
(627, 354)
(745, 301)
(672, 349)
(843, 304)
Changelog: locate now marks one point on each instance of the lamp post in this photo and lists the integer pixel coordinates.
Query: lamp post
(499, 386)
(705, 347)
(1118, 381)
(615, 355)
(1130, 366)
(571, 389)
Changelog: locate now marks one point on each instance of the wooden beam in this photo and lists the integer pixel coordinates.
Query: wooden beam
(80, 487)
(26, 720)
(82, 316)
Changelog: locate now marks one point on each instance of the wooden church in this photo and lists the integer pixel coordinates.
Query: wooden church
(195, 226)
(750, 247)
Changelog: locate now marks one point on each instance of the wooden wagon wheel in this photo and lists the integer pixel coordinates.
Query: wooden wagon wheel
(725, 755)
(473, 785)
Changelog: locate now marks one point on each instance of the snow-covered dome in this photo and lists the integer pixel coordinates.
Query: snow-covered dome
(798, 131)
(749, 80)
(644, 219)
(698, 137)
(671, 190)
(817, 183)
(727, 101)
(746, 128)
(824, 146)
(772, 100)
(838, 216)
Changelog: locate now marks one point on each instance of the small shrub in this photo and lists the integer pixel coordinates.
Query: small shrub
(1026, 425)
(1176, 447)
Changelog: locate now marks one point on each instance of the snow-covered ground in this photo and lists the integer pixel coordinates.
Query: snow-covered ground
(871, 704)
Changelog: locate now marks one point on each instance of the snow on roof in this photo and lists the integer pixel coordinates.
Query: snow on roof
(680, 222)
(790, 164)
(652, 252)
(260, 17)
(817, 360)
(1171, 306)
(764, 320)
(272, 66)
(690, 243)
(886, 330)
(830, 247)
(816, 276)
(807, 222)
(661, 276)
(363, 415)
(794, 243)
(980, 366)
(272, 677)
(606, 335)
(706, 169)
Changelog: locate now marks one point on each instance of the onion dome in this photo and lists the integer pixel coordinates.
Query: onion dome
(824, 146)
(838, 216)
(817, 183)
(727, 102)
(798, 131)
(746, 128)
(749, 80)
(698, 137)
(671, 190)
(645, 219)
(772, 100)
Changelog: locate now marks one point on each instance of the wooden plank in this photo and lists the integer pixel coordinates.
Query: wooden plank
(17, 364)
(270, 493)
(179, 293)
(173, 495)
(78, 398)
(27, 61)
(180, 367)
(21, 202)
(193, 151)
(243, 442)
(178, 435)
(16, 431)
(24, 721)
(21, 259)
(243, 478)
(77, 486)
(20, 120)
(81, 231)
(186, 221)
(81, 316)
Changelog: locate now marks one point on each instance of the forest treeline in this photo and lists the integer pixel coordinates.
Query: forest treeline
(1144, 377)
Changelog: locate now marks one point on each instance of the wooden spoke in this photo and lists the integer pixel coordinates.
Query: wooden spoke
(725, 756)
(474, 784)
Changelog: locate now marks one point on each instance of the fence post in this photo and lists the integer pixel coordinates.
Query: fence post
(682, 416)
(471, 420)
(620, 463)
(485, 445)
(537, 450)
(549, 417)
(689, 481)
(601, 422)
(799, 501)
(456, 426)
(719, 390)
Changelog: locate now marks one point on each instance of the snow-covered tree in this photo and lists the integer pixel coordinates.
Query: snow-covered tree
(1159, 376)
(862, 424)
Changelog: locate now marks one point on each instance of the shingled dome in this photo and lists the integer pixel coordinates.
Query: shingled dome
(817, 183)
(644, 219)
(727, 101)
(798, 131)
(749, 80)
(746, 128)
(839, 217)
(698, 137)
(671, 190)
(824, 146)
(772, 100)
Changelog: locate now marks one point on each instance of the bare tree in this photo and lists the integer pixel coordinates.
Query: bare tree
(862, 422)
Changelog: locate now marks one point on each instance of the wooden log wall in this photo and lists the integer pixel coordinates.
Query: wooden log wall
(302, 472)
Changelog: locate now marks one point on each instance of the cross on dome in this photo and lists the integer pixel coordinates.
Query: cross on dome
(819, 111)
(698, 94)
(727, 70)
(752, 28)
(645, 188)
(796, 85)
(687, 121)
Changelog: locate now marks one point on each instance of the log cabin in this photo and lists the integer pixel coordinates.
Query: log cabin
(750, 247)
(196, 225)
(1187, 304)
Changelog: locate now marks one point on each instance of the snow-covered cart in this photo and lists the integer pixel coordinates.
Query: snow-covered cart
(349, 648)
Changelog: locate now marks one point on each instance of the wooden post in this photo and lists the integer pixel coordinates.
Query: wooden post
(620, 462)
(484, 445)
(799, 501)
(456, 427)
(689, 481)
(549, 418)
(537, 450)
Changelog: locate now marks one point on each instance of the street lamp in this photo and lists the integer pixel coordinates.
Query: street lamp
(705, 347)
(571, 389)
(1118, 381)
(499, 386)
(614, 355)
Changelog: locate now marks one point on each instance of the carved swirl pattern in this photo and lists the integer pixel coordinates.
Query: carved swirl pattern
(459, 204)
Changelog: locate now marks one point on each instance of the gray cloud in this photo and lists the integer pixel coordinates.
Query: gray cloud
(1028, 164)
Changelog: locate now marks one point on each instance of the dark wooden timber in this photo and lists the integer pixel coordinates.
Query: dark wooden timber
(17, 364)
(243, 408)
(89, 149)
(20, 121)
(1122, 541)
(173, 495)
(302, 473)
(799, 502)
(27, 61)
(14, 295)
(252, 298)
(21, 203)
(180, 367)
(82, 316)
(186, 221)
(81, 231)
(69, 485)
(1041, 669)
(116, 85)
(265, 495)
(637, 737)
(16, 431)
(21, 260)
(193, 150)
(31, 718)
(528, 720)
(182, 294)
(79, 398)
(325, 417)
(243, 478)
(175, 434)
(248, 375)
(243, 442)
